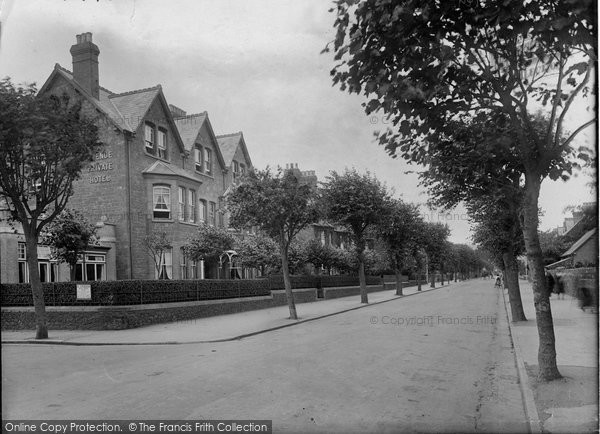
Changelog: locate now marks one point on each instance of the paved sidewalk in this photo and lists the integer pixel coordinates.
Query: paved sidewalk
(212, 329)
(569, 404)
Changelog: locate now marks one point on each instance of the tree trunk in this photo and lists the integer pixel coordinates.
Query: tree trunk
(72, 268)
(398, 282)
(41, 329)
(432, 284)
(442, 274)
(547, 351)
(512, 281)
(364, 298)
(287, 283)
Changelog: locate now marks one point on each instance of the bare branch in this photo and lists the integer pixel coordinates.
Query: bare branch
(559, 125)
(577, 131)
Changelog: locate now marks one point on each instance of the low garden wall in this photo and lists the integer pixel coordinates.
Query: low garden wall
(405, 284)
(97, 314)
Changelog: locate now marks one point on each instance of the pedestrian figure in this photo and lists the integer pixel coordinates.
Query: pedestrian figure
(550, 283)
(559, 288)
(585, 298)
(498, 283)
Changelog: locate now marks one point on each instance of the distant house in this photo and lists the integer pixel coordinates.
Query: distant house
(585, 250)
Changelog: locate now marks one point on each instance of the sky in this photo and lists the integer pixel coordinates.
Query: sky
(255, 66)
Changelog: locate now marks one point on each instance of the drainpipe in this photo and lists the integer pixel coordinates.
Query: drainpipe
(128, 137)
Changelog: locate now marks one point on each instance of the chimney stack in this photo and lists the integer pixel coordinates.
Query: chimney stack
(85, 64)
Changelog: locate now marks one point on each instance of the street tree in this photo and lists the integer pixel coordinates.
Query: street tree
(320, 256)
(45, 142)
(68, 236)
(157, 244)
(553, 246)
(358, 202)
(476, 164)
(208, 244)
(260, 252)
(498, 232)
(434, 241)
(281, 206)
(425, 63)
(398, 233)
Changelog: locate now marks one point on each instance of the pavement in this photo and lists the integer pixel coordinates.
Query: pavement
(213, 329)
(569, 404)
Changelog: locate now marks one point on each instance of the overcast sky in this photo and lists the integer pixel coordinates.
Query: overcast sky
(254, 65)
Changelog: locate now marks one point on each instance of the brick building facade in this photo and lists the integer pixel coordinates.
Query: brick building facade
(160, 170)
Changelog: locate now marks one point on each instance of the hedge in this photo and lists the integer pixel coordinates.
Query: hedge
(127, 292)
(309, 281)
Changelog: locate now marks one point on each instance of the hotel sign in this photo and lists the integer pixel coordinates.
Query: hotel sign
(102, 163)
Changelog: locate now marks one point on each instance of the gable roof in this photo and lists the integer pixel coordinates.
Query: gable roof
(103, 104)
(126, 110)
(134, 105)
(229, 144)
(580, 242)
(162, 169)
(189, 127)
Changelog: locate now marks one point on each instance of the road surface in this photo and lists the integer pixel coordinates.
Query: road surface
(438, 361)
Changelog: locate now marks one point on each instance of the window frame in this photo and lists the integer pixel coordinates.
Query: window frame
(181, 194)
(212, 214)
(94, 261)
(161, 148)
(156, 210)
(207, 160)
(236, 170)
(167, 265)
(150, 143)
(183, 264)
(191, 206)
(198, 159)
(193, 270)
(203, 211)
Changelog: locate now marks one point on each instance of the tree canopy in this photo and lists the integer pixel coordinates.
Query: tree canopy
(208, 243)
(157, 244)
(68, 236)
(280, 205)
(45, 142)
(426, 65)
(358, 202)
(399, 233)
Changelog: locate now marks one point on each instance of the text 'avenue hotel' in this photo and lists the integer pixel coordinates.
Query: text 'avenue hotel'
(160, 170)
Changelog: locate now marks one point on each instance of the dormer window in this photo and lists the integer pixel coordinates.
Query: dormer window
(149, 138)
(236, 170)
(207, 161)
(162, 144)
(155, 140)
(198, 159)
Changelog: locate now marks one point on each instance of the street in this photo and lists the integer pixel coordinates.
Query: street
(438, 361)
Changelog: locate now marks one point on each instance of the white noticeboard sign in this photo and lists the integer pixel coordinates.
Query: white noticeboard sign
(84, 292)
